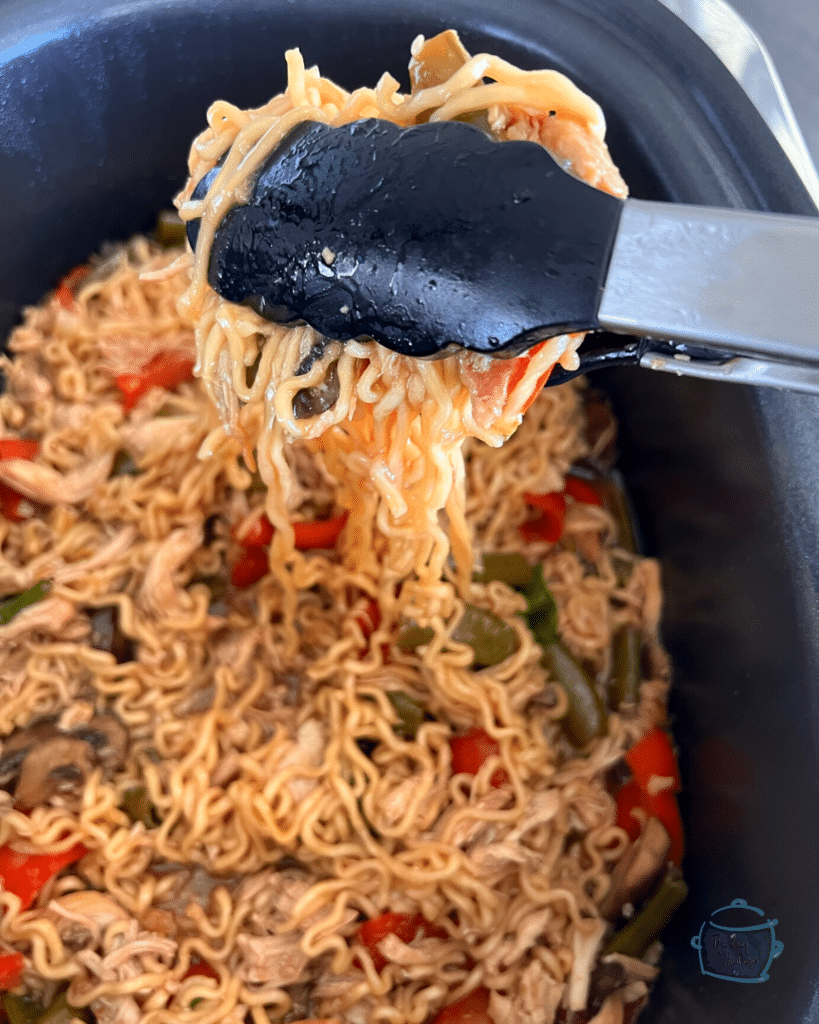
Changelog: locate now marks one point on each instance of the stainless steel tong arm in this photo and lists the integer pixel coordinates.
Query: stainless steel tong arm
(733, 281)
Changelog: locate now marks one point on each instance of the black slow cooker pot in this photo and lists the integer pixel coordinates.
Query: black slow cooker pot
(98, 102)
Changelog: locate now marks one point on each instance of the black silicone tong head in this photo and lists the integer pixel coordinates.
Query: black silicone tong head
(373, 230)
(436, 236)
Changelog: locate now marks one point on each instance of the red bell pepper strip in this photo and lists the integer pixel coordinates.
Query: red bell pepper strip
(549, 525)
(471, 751)
(11, 966)
(552, 503)
(520, 365)
(64, 292)
(312, 533)
(254, 563)
(653, 756)
(251, 567)
(199, 967)
(497, 382)
(369, 619)
(260, 533)
(662, 806)
(404, 926)
(25, 874)
(665, 808)
(319, 533)
(472, 1009)
(582, 491)
(15, 506)
(629, 798)
(166, 370)
(18, 448)
(552, 506)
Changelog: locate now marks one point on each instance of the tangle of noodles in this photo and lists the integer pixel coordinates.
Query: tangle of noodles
(286, 806)
(394, 436)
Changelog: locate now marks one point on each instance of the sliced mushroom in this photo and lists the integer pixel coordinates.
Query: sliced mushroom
(17, 746)
(60, 765)
(42, 760)
(641, 862)
(309, 402)
(607, 977)
(107, 737)
(301, 1007)
(107, 635)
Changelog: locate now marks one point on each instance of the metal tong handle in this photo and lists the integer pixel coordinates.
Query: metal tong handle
(738, 289)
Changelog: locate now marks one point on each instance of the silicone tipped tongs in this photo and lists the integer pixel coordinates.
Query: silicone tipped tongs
(435, 236)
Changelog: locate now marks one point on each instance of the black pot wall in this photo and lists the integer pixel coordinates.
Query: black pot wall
(98, 102)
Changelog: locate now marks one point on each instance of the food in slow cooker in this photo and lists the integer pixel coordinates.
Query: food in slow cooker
(333, 695)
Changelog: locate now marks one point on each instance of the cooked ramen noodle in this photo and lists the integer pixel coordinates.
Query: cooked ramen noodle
(335, 696)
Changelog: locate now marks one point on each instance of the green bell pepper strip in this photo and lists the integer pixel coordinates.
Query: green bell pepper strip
(508, 567)
(627, 648)
(138, 806)
(410, 713)
(634, 938)
(12, 605)
(492, 640)
(585, 716)
(20, 1010)
(170, 230)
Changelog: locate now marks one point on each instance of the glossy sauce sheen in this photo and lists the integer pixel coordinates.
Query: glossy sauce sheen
(418, 237)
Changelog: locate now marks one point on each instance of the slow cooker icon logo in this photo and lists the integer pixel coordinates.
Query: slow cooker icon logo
(732, 949)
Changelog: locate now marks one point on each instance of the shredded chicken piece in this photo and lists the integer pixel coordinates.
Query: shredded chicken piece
(157, 434)
(194, 887)
(159, 921)
(639, 970)
(535, 1001)
(646, 584)
(84, 915)
(490, 858)
(307, 751)
(360, 1013)
(50, 616)
(159, 593)
(46, 485)
(79, 712)
(421, 952)
(585, 944)
(145, 944)
(123, 963)
(394, 804)
(27, 384)
(107, 554)
(273, 894)
(528, 932)
(346, 995)
(271, 959)
(116, 1010)
(468, 830)
(542, 807)
(338, 986)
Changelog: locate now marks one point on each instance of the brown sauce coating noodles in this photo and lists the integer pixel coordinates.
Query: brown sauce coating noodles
(285, 807)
